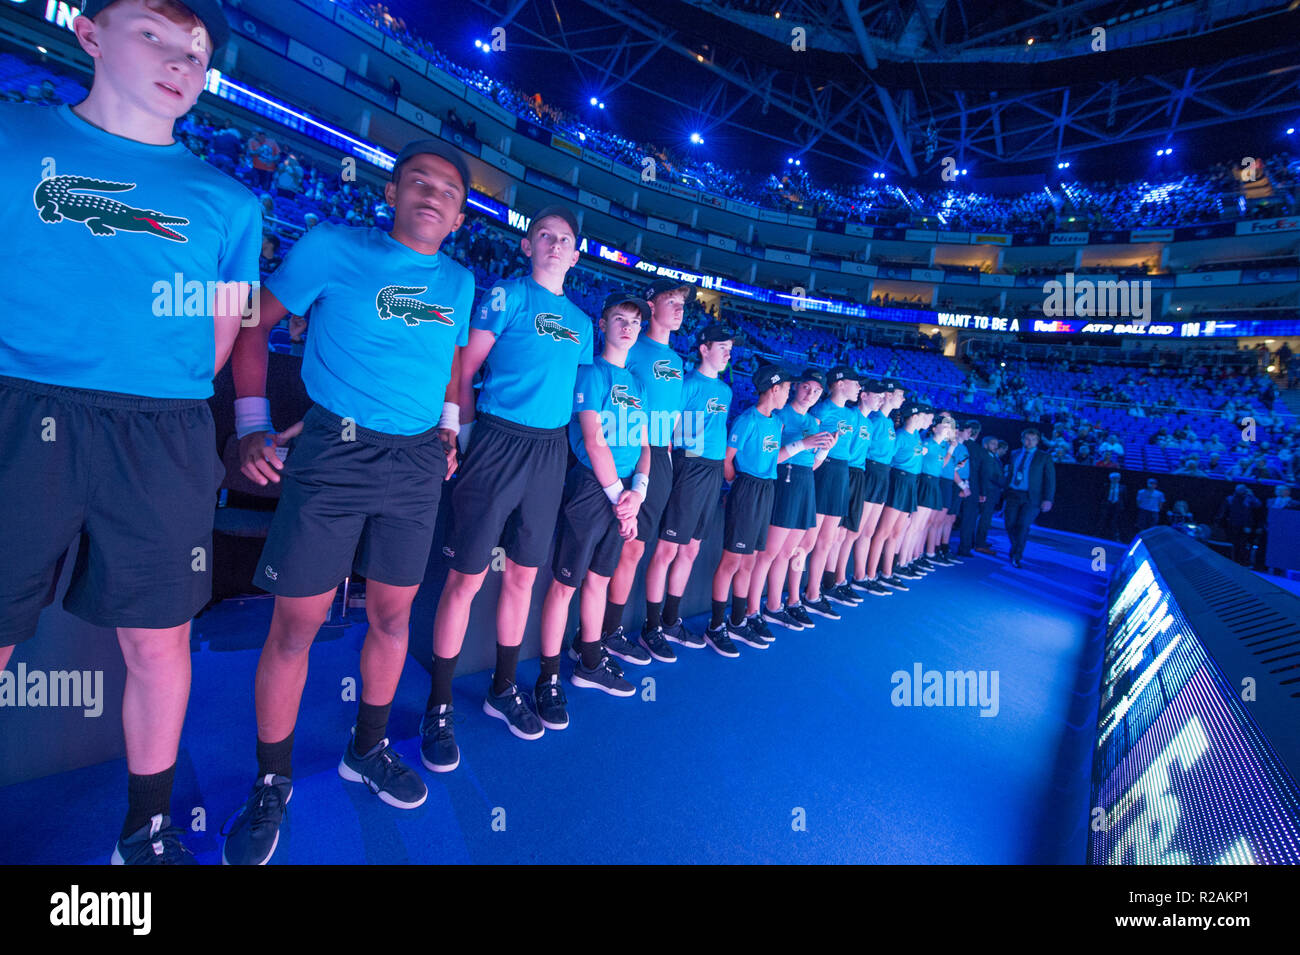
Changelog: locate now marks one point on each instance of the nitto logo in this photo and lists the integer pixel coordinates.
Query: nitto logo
(1097, 299)
(74, 907)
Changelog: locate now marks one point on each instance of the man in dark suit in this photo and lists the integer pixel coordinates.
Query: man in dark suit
(968, 514)
(994, 481)
(1113, 507)
(1030, 489)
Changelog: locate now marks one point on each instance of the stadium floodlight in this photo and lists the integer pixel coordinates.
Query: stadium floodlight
(593, 101)
(697, 139)
(1290, 130)
(602, 104)
(478, 44)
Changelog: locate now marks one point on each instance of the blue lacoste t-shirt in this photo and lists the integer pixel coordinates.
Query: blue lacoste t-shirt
(907, 452)
(757, 440)
(882, 438)
(932, 463)
(117, 253)
(702, 429)
(861, 442)
(661, 369)
(385, 323)
(619, 396)
(541, 339)
(948, 470)
(795, 426)
(837, 419)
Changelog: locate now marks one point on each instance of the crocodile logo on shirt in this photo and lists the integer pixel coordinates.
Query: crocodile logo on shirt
(863, 433)
(618, 394)
(548, 323)
(715, 407)
(664, 370)
(392, 302)
(770, 443)
(56, 200)
(843, 427)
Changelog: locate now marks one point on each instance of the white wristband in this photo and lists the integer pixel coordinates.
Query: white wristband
(795, 447)
(252, 414)
(450, 416)
(614, 491)
(640, 484)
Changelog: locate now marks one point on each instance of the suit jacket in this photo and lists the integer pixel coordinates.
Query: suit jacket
(1123, 494)
(995, 475)
(1041, 477)
(978, 468)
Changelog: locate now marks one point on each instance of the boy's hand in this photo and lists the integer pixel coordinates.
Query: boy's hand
(629, 502)
(627, 528)
(258, 460)
(822, 440)
(448, 438)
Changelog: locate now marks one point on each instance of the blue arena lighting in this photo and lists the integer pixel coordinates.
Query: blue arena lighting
(478, 44)
(593, 101)
(602, 105)
(697, 139)
(1290, 130)
(789, 161)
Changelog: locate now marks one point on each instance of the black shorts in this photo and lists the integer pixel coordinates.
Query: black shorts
(508, 492)
(795, 502)
(697, 482)
(367, 504)
(749, 509)
(832, 482)
(661, 488)
(588, 539)
(876, 488)
(136, 477)
(902, 491)
(929, 493)
(951, 492)
(857, 481)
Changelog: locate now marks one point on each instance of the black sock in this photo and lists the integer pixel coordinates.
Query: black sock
(372, 724)
(504, 676)
(653, 615)
(275, 758)
(550, 667)
(719, 611)
(613, 618)
(672, 604)
(444, 668)
(146, 797)
(828, 580)
(738, 609)
(590, 651)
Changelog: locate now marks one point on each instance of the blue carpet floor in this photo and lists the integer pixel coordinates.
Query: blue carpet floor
(791, 754)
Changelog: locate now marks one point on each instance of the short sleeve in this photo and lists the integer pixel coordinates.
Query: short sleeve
(739, 432)
(303, 276)
(465, 300)
(585, 390)
(238, 259)
(495, 311)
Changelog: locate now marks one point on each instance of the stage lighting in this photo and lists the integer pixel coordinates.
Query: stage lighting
(1290, 130)
(593, 101)
(697, 139)
(478, 44)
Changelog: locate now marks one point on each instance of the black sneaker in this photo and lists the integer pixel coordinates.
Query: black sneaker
(720, 642)
(158, 843)
(620, 646)
(254, 832)
(953, 558)
(549, 696)
(656, 644)
(742, 633)
(907, 573)
(438, 749)
(759, 628)
(782, 618)
(849, 594)
(822, 607)
(800, 616)
(511, 707)
(677, 633)
(895, 582)
(926, 564)
(939, 560)
(606, 675)
(833, 593)
(384, 774)
(873, 587)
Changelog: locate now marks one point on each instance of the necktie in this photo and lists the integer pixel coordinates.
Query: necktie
(1020, 468)
(1114, 493)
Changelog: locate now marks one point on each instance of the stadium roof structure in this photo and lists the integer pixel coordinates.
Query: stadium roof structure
(897, 85)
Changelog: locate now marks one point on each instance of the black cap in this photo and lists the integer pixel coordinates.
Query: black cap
(209, 12)
(971, 423)
(769, 376)
(842, 373)
(871, 386)
(564, 212)
(621, 298)
(714, 332)
(892, 385)
(813, 374)
(911, 408)
(659, 286)
(435, 147)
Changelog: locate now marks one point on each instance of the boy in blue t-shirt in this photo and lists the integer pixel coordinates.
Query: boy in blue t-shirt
(362, 485)
(529, 339)
(143, 256)
(753, 452)
(603, 494)
(699, 446)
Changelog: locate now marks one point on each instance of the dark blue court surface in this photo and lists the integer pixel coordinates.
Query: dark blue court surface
(791, 754)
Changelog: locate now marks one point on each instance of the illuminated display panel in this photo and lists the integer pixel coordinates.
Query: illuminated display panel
(1181, 773)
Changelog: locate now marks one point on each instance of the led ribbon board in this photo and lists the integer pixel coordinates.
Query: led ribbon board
(1182, 772)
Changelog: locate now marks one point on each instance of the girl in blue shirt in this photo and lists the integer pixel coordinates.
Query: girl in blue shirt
(905, 465)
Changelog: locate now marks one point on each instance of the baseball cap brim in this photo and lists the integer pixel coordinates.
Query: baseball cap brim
(623, 298)
(210, 14)
(659, 286)
(435, 147)
(564, 212)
